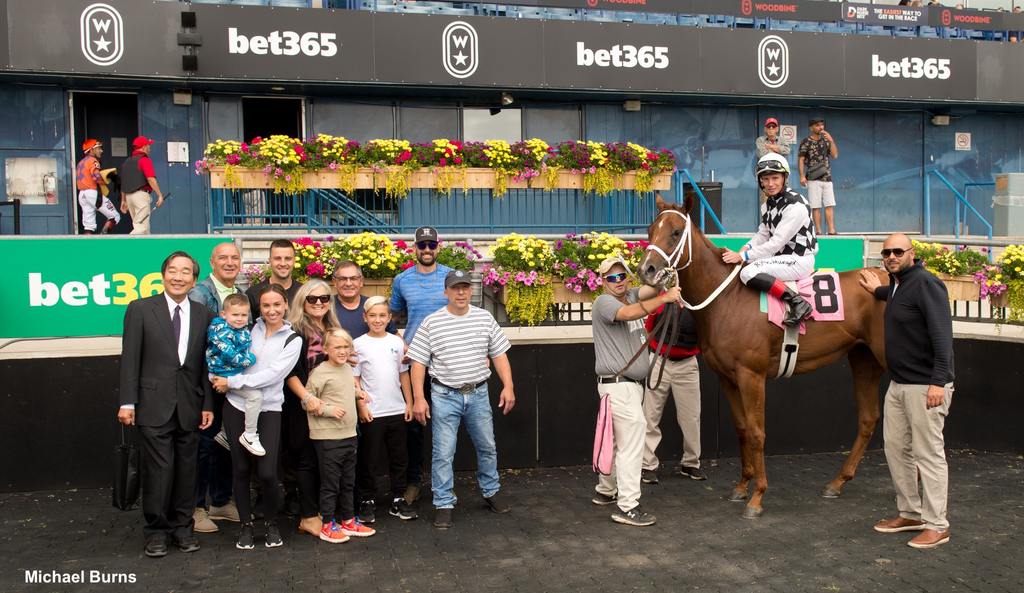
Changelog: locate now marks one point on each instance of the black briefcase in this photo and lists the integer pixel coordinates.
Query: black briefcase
(126, 472)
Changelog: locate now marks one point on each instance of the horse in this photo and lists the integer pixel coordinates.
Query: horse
(742, 346)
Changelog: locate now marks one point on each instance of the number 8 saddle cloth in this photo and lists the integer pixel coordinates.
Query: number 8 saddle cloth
(822, 290)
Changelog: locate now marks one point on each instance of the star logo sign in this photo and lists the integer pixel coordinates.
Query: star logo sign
(102, 34)
(460, 49)
(773, 61)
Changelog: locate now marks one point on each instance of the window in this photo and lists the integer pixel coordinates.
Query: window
(497, 124)
(32, 180)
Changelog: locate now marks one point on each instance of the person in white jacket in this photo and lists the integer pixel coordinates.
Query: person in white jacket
(785, 243)
(277, 348)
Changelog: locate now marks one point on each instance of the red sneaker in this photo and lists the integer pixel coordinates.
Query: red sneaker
(332, 533)
(356, 529)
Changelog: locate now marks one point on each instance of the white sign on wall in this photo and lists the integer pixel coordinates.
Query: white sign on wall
(788, 134)
(177, 152)
(962, 140)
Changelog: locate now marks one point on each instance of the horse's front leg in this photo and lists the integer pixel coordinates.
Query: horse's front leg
(732, 395)
(751, 386)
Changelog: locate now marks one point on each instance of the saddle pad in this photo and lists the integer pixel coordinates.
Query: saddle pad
(822, 291)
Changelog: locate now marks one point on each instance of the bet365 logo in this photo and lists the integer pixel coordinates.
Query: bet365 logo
(96, 291)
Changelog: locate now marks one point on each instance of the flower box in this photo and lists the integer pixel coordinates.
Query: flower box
(425, 178)
(961, 288)
(564, 295)
(376, 287)
(999, 300)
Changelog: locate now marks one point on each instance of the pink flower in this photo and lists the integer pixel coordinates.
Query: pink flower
(444, 162)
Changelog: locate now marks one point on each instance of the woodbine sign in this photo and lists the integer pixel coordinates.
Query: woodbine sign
(123, 38)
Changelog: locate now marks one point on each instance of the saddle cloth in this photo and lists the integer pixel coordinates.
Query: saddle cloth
(822, 290)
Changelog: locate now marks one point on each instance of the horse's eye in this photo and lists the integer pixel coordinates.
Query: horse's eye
(677, 233)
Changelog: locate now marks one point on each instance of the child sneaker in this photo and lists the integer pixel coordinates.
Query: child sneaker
(222, 440)
(356, 529)
(402, 510)
(252, 444)
(332, 533)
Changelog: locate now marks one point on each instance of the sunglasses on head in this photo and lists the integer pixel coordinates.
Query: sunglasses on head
(771, 125)
(431, 245)
(313, 299)
(615, 278)
(895, 251)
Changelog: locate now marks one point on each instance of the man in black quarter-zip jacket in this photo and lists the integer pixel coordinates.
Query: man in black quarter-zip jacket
(919, 354)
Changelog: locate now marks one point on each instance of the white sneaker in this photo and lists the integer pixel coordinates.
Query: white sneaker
(222, 440)
(253, 445)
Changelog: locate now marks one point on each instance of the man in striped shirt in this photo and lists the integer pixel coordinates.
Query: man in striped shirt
(454, 343)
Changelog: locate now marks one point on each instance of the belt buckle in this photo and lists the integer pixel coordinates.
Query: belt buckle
(466, 389)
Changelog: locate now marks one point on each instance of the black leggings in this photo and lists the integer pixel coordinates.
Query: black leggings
(242, 461)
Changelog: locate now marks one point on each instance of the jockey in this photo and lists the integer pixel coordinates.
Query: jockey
(784, 246)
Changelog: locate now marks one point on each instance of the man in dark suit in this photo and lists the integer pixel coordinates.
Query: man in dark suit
(166, 392)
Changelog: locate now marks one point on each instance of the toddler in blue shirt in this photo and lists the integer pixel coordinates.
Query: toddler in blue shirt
(227, 354)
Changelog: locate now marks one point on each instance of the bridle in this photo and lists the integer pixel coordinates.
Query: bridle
(671, 271)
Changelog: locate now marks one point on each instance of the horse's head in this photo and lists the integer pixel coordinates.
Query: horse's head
(670, 241)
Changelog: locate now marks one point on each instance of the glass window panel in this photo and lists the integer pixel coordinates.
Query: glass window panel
(553, 124)
(480, 125)
(423, 124)
(355, 121)
(33, 180)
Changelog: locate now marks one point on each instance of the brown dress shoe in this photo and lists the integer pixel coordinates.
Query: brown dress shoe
(929, 538)
(898, 524)
(311, 525)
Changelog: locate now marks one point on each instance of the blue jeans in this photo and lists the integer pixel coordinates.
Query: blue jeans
(449, 409)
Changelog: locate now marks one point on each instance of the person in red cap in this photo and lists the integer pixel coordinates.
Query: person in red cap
(90, 183)
(770, 142)
(138, 179)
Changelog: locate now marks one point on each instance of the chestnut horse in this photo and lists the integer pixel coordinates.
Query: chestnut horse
(742, 346)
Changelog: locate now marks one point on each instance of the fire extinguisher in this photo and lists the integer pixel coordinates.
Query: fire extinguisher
(50, 188)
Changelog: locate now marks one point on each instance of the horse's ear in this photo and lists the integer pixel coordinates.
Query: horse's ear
(688, 199)
(660, 203)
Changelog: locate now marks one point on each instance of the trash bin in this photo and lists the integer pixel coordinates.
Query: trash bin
(1008, 205)
(712, 191)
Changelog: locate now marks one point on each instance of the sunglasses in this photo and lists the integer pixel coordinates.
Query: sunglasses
(313, 299)
(615, 278)
(431, 245)
(896, 251)
(771, 125)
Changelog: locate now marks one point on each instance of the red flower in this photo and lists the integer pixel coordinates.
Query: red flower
(444, 162)
(245, 148)
(257, 140)
(458, 160)
(652, 156)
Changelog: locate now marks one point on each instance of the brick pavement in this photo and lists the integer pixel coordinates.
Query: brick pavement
(556, 540)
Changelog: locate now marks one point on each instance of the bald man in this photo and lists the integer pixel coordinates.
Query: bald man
(919, 354)
(215, 477)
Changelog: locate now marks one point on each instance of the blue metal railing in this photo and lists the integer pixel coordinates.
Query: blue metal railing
(960, 200)
(705, 207)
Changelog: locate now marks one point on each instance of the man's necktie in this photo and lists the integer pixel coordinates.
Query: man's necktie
(176, 323)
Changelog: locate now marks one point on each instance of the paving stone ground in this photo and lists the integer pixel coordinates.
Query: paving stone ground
(556, 540)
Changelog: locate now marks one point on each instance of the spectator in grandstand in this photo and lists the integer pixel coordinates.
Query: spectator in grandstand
(919, 355)
(815, 155)
(770, 142)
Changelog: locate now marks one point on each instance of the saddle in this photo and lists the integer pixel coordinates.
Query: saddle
(825, 295)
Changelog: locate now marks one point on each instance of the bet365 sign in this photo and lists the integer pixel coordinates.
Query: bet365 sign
(81, 287)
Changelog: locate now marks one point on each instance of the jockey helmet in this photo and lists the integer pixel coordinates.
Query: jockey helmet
(771, 163)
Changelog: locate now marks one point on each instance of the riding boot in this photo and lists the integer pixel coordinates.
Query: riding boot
(799, 309)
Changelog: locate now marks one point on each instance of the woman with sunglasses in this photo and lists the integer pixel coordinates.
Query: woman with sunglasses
(276, 349)
(311, 316)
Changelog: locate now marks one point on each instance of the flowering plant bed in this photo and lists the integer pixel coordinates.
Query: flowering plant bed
(292, 165)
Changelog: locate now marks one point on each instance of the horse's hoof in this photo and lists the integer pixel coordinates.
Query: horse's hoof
(830, 492)
(738, 496)
(752, 512)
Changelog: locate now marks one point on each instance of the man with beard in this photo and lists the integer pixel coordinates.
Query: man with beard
(419, 291)
(282, 261)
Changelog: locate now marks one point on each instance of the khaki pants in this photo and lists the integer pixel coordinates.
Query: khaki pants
(140, 205)
(682, 377)
(628, 426)
(914, 446)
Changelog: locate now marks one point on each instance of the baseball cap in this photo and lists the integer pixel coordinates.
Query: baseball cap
(426, 233)
(141, 141)
(771, 120)
(90, 143)
(457, 277)
(815, 119)
(607, 265)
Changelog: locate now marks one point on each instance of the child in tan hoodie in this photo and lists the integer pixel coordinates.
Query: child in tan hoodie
(333, 413)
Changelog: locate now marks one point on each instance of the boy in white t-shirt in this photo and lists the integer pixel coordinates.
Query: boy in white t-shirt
(382, 374)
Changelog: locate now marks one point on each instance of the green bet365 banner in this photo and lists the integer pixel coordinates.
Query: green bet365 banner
(81, 287)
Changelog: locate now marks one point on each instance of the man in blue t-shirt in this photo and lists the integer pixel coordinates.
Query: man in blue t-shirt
(419, 291)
